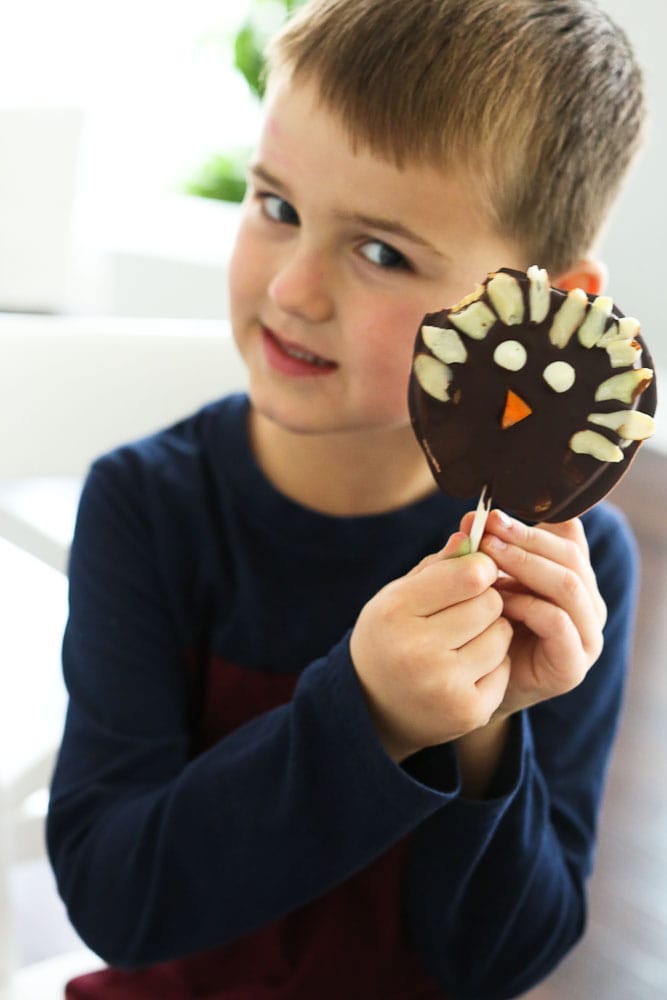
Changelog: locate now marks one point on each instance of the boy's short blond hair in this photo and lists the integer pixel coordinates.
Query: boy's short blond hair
(541, 101)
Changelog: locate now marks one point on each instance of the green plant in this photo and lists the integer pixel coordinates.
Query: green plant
(222, 176)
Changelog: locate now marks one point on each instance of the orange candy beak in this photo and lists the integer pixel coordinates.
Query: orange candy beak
(516, 410)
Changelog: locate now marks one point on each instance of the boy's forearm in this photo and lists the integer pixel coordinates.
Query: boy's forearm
(479, 754)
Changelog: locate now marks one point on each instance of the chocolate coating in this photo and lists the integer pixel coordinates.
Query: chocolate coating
(529, 468)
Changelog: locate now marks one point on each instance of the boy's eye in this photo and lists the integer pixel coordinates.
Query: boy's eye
(383, 255)
(279, 210)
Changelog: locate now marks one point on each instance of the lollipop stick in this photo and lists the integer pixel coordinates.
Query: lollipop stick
(479, 521)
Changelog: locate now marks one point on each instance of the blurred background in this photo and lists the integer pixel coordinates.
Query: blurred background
(108, 109)
(111, 109)
(124, 127)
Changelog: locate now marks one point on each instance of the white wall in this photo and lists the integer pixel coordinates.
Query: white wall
(634, 245)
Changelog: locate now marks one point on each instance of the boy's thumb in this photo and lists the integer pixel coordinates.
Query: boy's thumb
(457, 545)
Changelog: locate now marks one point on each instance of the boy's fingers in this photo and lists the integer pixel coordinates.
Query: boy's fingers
(466, 522)
(442, 582)
(560, 589)
(492, 686)
(458, 544)
(490, 647)
(466, 620)
(558, 632)
(571, 534)
(563, 544)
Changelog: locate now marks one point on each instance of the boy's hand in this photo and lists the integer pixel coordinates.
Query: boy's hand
(430, 650)
(550, 595)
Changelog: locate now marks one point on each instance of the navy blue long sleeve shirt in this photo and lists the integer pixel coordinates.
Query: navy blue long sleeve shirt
(223, 816)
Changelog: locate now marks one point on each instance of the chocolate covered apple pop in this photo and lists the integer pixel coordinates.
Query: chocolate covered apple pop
(535, 398)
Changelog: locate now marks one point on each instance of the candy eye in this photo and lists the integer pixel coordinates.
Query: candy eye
(510, 355)
(559, 376)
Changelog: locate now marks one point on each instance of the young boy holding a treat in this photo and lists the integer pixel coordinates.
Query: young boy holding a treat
(308, 754)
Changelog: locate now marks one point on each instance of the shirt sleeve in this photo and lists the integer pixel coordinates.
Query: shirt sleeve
(158, 854)
(496, 890)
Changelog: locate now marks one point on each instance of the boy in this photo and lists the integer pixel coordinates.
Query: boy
(308, 754)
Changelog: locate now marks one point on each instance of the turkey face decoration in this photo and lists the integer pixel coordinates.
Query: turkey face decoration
(536, 396)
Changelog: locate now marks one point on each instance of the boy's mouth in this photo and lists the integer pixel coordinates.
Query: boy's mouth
(292, 358)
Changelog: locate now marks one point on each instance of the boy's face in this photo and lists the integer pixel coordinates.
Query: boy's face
(338, 257)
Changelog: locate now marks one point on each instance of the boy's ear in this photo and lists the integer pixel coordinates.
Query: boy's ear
(590, 275)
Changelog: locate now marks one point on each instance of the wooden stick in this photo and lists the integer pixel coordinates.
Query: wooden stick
(479, 522)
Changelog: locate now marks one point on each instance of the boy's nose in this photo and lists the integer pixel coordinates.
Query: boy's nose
(300, 287)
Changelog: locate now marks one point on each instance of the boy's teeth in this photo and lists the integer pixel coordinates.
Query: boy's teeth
(300, 355)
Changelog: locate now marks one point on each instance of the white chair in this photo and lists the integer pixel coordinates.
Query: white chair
(46, 980)
(70, 388)
(33, 598)
(22, 810)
